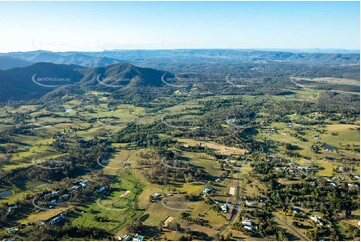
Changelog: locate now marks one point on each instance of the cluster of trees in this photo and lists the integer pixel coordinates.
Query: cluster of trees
(81, 156)
(264, 227)
(69, 232)
(309, 192)
(327, 102)
(143, 136)
(173, 171)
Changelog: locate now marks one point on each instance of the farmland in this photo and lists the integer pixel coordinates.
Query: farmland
(210, 162)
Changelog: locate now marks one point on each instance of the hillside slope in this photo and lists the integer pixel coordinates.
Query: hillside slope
(52, 79)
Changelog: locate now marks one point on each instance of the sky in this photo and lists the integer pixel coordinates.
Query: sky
(96, 26)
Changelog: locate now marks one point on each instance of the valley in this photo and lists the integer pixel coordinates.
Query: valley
(248, 151)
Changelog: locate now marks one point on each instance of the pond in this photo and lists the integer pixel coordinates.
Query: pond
(5, 194)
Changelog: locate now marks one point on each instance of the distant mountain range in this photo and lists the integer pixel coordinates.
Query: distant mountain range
(36, 80)
(104, 58)
(231, 55)
(317, 50)
(28, 75)
(68, 58)
(7, 62)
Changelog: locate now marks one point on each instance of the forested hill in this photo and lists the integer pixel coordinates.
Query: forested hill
(24, 83)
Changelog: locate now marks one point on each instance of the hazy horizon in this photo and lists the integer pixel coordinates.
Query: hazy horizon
(98, 26)
(293, 50)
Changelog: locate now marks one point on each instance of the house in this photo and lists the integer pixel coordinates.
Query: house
(296, 210)
(217, 180)
(138, 237)
(352, 185)
(101, 190)
(54, 201)
(328, 147)
(11, 208)
(75, 187)
(249, 203)
(40, 223)
(246, 223)
(167, 222)
(13, 231)
(207, 190)
(157, 195)
(56, 220)
(118, 238)
(127, 237)
(248, 228)
(84, 183)
(341, 169)
(64, 196)
(52, 193)
(232, 191)
(224, 208)
(306, 168)
(316, 219)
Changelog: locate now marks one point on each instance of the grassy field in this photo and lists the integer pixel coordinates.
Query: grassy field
(222, 149)
(342, 134)
(131, 189)
(330, 80)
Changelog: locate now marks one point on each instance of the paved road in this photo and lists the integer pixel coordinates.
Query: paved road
(297, 84)
(303, 237)
(237, 207)
(304, 87)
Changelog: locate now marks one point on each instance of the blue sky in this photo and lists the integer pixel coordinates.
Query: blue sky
(62, 26)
